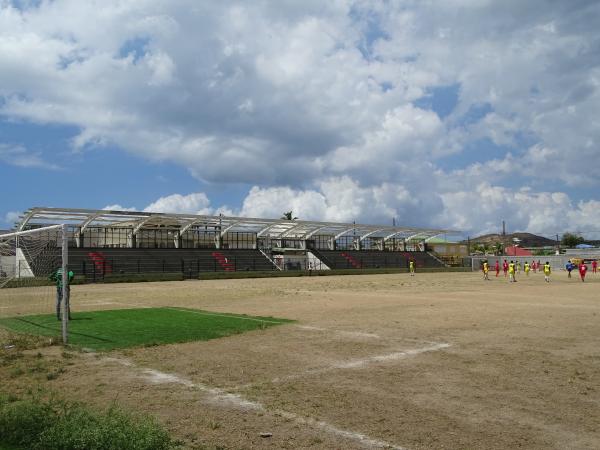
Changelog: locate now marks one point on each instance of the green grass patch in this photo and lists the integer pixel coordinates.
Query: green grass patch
(51, 424)
(123, 328)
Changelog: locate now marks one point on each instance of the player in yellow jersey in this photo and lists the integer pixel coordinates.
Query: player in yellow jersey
(411, 267)
(486, 270)
(527, 267)
(511, 272)
(547, 271)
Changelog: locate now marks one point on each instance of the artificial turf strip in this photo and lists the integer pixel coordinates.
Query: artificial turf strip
(122, 328)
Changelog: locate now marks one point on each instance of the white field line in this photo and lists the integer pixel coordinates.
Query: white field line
(99, 303)
(362, 362)
(230, 316)
(139, 305)
(359, 363)
(222, 397)
(353, 334)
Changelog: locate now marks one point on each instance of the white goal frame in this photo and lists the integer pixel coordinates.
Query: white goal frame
(64, 266)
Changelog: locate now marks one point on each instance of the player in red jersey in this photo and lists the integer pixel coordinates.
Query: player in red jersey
(594, 266)
(582, 270)
(497, 267)
(505, 268)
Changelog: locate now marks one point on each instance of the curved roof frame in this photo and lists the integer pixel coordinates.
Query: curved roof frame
(274, 228)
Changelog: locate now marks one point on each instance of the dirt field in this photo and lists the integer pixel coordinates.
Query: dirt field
(374, 361)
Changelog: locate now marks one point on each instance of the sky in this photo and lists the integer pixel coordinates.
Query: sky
(453, 114)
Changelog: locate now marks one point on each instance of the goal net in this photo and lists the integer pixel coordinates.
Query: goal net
(34, 279)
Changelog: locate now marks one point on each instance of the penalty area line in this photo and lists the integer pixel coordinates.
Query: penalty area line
(361, 362)
(230, 316)
(223, 398)
(353, 334)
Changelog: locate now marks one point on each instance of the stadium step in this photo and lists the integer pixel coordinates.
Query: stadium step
(223, 261)
(351, 260)
(100, 262)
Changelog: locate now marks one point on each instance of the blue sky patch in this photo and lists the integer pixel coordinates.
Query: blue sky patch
(442, 100)
(136, 47)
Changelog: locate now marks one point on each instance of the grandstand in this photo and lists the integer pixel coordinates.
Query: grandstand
(104, 243)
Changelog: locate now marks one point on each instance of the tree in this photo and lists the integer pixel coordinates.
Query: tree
(498, 248)
(570, 240)
(482, 248)
(288, 216)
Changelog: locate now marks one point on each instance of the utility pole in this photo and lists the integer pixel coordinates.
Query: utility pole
(503, 236)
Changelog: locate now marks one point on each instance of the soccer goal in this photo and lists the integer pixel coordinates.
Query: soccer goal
(34, 276)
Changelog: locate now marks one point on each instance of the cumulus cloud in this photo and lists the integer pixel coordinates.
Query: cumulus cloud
(317, 104)
(477, 210)
(341, 200)
(539, 212)
(19, 156)
(117, 207)
(11, 217)
(195, 203)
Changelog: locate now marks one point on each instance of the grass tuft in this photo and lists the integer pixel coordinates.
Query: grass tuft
(48, 425)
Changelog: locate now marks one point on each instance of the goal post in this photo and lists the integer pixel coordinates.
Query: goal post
(29, 265)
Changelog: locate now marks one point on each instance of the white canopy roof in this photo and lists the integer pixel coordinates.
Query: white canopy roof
(273, 228)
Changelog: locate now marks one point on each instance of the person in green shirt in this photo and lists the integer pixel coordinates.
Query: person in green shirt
(58, 279)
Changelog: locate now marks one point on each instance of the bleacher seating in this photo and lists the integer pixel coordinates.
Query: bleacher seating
(372, 259)
(96, 263)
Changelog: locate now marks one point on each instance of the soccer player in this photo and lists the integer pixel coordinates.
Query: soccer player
(511, 272)
(486, 269)
(505, 267)
(57, 278)
(411, 267)
(594, 266)
(527, 268)
(570, 266)
(497, 267)
(519, 266)
(582, 270)
(547, 271)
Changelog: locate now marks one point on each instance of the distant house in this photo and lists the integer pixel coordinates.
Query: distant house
(516, 251)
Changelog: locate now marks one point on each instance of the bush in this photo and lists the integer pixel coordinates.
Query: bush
(53, 425)
(21, 422)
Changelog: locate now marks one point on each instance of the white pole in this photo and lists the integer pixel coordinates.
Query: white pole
(65, 288)
(17, 260)
(24, 233)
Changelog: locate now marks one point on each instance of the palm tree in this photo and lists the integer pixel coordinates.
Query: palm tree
(288, 216)
(498, 248)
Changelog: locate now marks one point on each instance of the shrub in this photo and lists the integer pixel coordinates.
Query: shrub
(53, 425)
(22, 421)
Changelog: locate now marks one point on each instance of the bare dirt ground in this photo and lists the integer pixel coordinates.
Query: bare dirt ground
(441, 360)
